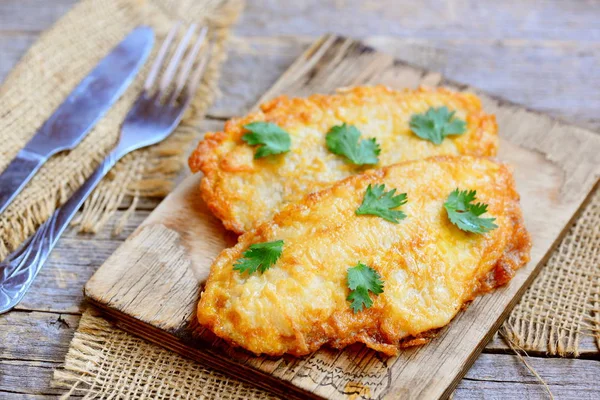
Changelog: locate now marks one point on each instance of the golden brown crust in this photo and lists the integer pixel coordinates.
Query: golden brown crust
(431, 269)
(516, 254)
(243, 192)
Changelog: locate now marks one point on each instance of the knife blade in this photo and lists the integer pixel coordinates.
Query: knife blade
(81, 110)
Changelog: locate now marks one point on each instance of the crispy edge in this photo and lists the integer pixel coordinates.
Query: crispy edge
(205, 158)
(516, 255)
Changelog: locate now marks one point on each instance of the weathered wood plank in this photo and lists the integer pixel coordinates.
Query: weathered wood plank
(58, 286)
(492, 376)
(27, 377)
(432, 19)
(34, 336)
(12, 48)
(506, 377)
(556, 371)
(31, 15)
(45, 336)
(143, 272)
(270, 56)
(21, 396)
(526, 72)
(492, 66)
(492, 60)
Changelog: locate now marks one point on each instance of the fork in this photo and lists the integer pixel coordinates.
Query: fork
(152, 118)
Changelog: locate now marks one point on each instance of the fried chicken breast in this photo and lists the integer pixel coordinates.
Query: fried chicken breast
(430, 268)
(243, 191)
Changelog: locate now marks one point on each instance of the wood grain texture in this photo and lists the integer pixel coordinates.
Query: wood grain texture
(31, 15)
(515, 49)
(151, 283)
(26, 377)
(523, 71)
(457, 19)
(22, 340)
(490, 371)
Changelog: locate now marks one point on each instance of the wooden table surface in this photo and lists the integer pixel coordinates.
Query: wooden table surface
(544, 54)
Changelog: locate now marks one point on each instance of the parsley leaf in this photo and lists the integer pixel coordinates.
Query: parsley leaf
(272, 138)
(259, 256)
(362, 280)
(343, 141)
(380, 203)
(466, 215)
(436, 124)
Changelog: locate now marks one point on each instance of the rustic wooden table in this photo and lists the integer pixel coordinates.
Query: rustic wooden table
(544, 54)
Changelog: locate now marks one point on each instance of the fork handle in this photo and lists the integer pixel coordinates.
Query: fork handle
(20, 268)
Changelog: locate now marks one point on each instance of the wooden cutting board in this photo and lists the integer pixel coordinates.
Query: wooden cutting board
(151, 284)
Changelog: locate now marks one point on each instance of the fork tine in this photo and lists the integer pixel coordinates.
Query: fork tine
(188, 64)
(198, 73)
(172, 67)
(160, 57)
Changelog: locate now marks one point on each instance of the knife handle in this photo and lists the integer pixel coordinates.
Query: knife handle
(20, 268)
(14, 178)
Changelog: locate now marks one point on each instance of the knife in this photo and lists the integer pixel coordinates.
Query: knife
(82, 109)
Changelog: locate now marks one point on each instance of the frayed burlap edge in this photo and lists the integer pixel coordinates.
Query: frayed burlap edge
(563, 302)
(148, 172)
(105, 362)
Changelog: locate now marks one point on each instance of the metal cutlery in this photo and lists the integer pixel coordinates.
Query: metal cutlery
(152, 118)
(81, 110)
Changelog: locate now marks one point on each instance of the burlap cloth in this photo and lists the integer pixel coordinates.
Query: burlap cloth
(104, 362)
(53, 67)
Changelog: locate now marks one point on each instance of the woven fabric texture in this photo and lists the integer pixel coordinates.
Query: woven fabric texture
(105, 362)
(564, 301)
(54, 66)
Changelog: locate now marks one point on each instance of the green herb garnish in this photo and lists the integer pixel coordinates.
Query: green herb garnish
(466, 215)
(380, 203)
(259, 256)
(343, 140)
(362, 280)
(437, 123)
(271, 138)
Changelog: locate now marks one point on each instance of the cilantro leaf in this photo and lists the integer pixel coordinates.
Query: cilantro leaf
(380, 203)
(362, 280)
(465, 215)
(343, 140)
(271, 138)
(437, 123)
(259, 256)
